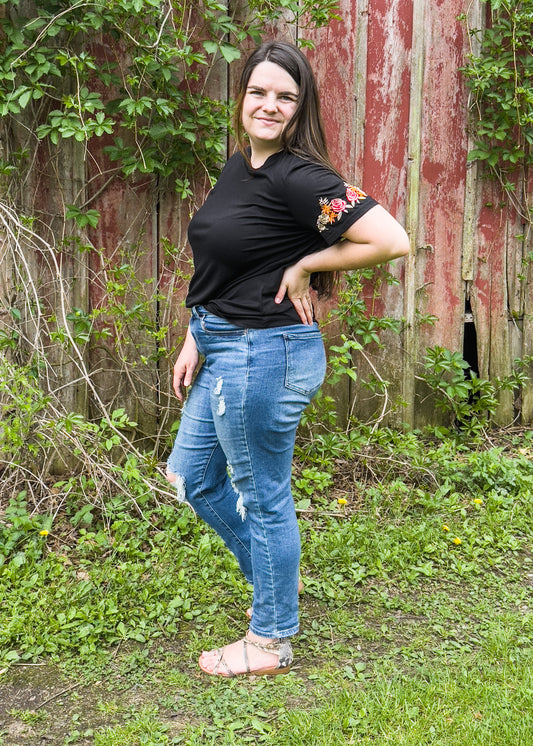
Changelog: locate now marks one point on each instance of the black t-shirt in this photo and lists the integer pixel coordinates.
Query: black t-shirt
(257, 222)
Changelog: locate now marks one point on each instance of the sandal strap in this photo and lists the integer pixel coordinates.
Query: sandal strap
(245, 652)
(281, 647)
(222, 662)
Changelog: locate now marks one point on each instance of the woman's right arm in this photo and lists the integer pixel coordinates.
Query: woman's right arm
(185, 365)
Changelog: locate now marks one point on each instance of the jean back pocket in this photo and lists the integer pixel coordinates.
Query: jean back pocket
(306, 361)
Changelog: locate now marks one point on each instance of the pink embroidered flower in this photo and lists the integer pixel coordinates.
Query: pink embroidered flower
(353, 194)
(337, 205)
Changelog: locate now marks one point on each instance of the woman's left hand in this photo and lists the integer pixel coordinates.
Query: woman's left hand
(295, 285)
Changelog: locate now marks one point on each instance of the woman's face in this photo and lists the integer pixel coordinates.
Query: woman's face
(269, 103)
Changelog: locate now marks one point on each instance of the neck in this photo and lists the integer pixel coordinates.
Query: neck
(258, 156)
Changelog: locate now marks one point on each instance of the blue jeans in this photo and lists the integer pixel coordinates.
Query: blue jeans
(232, 456)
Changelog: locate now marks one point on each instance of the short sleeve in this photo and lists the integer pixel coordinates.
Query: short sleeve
(322, 201)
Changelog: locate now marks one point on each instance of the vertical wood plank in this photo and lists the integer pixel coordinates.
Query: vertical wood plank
(175, 267)
(527, 337)
(363, 80)
(335, 74)
(360, 84)
(385, 166)
(490, 294)
(440, 289)
(475, 20)
(412, 209)
(341, 90)
(122, 365)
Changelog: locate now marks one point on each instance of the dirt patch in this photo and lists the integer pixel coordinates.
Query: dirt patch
(38, 705)
(41, 706)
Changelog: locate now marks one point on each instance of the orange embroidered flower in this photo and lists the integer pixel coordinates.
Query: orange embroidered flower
(332, 210)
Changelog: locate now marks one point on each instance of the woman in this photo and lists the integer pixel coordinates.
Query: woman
(279, 219)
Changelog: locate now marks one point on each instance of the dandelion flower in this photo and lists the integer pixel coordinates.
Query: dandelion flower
(44, 532)
(457, 540)
(342, 501)
(445, 528)
(478, 501)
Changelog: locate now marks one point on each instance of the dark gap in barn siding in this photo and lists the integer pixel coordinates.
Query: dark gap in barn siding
(470, 340)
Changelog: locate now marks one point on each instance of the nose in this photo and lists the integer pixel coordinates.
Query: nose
(270, 103)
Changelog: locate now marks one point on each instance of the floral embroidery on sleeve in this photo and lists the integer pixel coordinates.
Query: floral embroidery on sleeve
(332, 210)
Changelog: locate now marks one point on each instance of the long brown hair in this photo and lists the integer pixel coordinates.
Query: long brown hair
(304, 135)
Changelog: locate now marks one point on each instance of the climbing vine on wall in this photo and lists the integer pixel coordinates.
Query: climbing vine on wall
(500, 76)
(132, 70)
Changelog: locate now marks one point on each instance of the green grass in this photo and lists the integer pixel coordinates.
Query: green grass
(417, 623)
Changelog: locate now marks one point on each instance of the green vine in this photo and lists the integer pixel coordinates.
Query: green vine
(133, 71)
(500, 76)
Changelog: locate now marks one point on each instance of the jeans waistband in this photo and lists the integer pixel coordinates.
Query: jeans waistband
(199, 312)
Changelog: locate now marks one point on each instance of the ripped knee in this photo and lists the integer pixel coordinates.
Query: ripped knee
(178, 481)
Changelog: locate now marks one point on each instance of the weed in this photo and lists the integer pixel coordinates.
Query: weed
(30, 717)
(416, 619)
(472, 401)
(144, 728)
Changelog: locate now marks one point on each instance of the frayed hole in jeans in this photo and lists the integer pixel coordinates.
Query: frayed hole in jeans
(241, 508)
(221, 406)
(177, 481)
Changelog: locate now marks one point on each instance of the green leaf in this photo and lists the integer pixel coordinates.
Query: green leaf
(211, 47)
(19, 559)
(11, 656)
(478, 155)
(229, 52)
(24, 98)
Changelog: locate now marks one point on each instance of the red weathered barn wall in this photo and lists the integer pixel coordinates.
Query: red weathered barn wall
(401, 87)
(362, 68)
(396, 111)
(396, 114)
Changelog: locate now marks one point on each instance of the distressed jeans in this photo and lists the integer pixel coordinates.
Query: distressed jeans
(233, 453)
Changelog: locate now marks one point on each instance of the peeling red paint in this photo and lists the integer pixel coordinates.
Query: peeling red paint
(378, 160)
